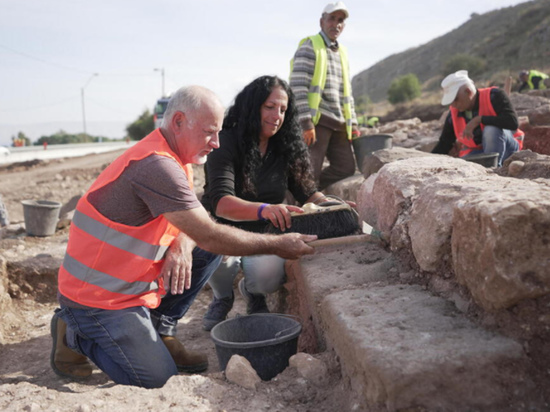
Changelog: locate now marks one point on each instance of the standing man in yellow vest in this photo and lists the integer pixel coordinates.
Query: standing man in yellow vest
(320, 80)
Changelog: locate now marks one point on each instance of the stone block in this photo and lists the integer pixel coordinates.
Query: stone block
(404, 349)
(398, 182)
(313, 277)
(540, 116)
(501, 242)
(346, 188)
(374, 162)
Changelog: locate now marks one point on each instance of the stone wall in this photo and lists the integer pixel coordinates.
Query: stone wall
(479, 238)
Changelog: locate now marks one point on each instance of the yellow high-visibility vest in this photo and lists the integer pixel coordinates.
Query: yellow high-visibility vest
(320, 78)
(535, 73)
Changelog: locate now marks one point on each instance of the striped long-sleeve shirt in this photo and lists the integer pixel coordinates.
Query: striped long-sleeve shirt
(331, 106)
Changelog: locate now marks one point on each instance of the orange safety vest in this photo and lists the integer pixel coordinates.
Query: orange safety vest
(485, 109)
(110, 265)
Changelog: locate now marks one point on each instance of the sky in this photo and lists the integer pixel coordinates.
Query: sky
(70, 64)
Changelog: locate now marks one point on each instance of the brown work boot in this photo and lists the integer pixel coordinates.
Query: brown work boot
(64, 361)
(186, 360)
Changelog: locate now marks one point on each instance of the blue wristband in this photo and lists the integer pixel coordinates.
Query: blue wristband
(260, 211)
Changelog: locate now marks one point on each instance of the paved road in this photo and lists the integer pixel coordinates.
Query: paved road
(23, 154)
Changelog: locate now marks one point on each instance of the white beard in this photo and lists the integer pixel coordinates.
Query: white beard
(199, 160)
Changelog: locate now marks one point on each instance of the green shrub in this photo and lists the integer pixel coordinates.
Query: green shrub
(142, 126)
(461, 61)
(403, 89)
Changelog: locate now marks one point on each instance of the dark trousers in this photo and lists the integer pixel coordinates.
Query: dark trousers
(336, 146)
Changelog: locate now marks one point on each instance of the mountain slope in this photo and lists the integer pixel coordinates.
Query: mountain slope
(507, 39)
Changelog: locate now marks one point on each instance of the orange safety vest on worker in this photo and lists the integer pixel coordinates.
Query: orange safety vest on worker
(485, 109)
(110, 265)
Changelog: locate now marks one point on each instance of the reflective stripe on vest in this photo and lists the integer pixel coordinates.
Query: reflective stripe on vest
(535, 73)
(118, 239)
(110, 265)
(319, 80)
(104, 280)
(485, 109)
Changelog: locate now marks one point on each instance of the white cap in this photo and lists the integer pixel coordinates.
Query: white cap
(332, 7)
(452, 83)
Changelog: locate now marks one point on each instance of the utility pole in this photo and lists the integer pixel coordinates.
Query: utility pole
(83, 107)
(161, 70)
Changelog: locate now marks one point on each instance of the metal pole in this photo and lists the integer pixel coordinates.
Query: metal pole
(83, 108)
(162, 82)
(161, 70)
(83, 111)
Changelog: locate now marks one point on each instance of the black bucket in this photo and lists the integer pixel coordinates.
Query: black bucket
(366, 145)
(266, 340)
(484, 159)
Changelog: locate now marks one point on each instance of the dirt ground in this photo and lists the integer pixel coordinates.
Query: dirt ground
(26, 381)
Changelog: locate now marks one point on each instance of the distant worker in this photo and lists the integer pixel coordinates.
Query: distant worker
(141, 246)
(365, 121)
(373, 122)
(482, 120)
(533, 80)
(321, 82)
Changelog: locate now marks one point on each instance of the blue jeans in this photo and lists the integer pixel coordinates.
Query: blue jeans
(496, 140)
(126, 343)
(262, 274)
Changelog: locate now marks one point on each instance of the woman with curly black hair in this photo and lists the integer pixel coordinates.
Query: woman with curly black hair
(261, 156)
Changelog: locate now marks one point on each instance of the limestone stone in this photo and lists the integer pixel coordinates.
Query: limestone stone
(310, 368)
(501, 242)
(404, 348)
(515, 168)
(397, 183)
(431, 223)
(347, 188)
(374, 162)
(540, 116)
(240, 371)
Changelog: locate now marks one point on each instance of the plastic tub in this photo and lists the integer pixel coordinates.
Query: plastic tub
(366, 145)
(484, 159)
(266, 340)
(41, 216)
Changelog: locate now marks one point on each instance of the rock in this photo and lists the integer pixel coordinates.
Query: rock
(408, 350)
(515, 167)
(500, 242)
(397, 182)
(495, 230)
(240, 371)
(535, 165)
(540, 116)
(312, 369)
(68, 207)
(347, 188)
(374, 162)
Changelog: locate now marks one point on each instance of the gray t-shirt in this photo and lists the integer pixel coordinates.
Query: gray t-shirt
(146, 189)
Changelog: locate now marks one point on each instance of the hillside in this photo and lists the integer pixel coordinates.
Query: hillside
(508, 40)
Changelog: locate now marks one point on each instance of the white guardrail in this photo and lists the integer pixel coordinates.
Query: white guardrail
(27, 153)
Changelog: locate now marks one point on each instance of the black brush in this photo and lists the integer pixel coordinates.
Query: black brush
(326, 220)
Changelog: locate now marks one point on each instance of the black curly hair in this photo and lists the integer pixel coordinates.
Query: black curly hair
(245, 119)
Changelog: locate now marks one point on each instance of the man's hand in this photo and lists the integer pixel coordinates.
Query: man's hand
(471, 126)
(178, 262)
(294, 245)
(309, 136)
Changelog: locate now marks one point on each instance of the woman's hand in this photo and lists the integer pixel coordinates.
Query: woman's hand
(279, 215)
